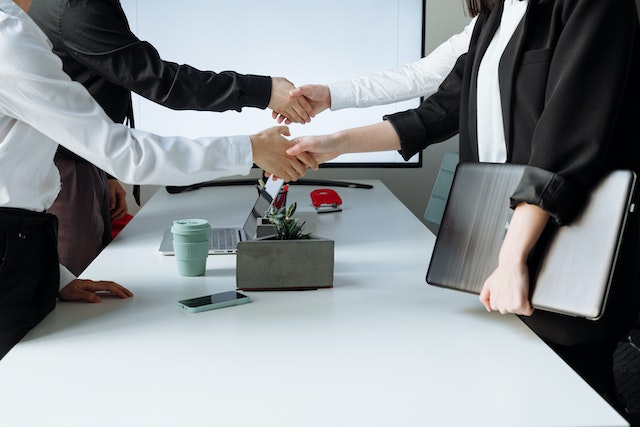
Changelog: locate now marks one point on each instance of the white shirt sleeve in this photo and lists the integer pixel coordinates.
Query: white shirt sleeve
(413, 80)
(34, 90)
(66, 277)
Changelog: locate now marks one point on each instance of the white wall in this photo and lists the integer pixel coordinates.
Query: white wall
(412, 186)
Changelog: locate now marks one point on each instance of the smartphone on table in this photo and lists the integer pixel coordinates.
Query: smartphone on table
(213, 301)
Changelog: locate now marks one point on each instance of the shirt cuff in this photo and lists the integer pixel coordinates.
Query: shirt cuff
(66, 277)
(259, 93)
(412, 137)
(551, 192)
(342, 95)
(243, 154)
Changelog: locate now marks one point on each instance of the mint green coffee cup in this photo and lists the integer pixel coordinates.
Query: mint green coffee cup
(191, 245)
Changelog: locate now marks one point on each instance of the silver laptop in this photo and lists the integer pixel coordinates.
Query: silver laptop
(225, 240)
(571, 267)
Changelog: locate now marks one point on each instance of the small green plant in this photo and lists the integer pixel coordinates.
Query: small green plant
(287, 227)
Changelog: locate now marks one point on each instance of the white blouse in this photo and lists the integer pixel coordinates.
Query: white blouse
(492, 145)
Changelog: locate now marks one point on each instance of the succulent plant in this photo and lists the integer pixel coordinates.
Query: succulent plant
(287, 227)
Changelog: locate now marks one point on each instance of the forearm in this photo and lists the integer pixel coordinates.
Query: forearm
(140, 69)
(377, 137)
(525, 228)
(507, 289)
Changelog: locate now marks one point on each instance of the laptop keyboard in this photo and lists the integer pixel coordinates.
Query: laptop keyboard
(224, 238)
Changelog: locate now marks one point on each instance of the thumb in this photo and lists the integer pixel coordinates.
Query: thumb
(298, 91)
(295, 150)
(284, 130)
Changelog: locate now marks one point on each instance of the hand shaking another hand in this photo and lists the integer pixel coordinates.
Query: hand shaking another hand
(270, 153)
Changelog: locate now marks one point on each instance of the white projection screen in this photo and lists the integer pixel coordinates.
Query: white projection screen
(304, 41)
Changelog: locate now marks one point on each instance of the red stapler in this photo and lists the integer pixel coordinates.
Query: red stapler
(326, 200)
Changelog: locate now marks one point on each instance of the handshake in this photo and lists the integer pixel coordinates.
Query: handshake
(279, 156)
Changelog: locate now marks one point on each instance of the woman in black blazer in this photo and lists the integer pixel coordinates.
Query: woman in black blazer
(568, 106)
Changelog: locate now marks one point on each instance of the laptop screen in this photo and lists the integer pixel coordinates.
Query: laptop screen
(270, 191)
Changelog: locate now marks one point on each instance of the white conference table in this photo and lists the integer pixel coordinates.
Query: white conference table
(380, 348)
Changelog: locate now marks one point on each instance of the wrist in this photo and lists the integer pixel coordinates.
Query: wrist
(512, 256)
(340, 140)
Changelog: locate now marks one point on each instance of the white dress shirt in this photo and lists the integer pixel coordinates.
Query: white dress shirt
(40, 107)
(413, 80)
(492, 145)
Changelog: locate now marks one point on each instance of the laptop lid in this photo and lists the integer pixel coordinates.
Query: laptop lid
(263, 202)
(571, 269)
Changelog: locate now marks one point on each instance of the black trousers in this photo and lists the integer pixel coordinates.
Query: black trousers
(586, 345)
(29, 272)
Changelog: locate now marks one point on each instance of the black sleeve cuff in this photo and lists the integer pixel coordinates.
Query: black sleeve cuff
(551, 192)
(259, 93)
(412, 138)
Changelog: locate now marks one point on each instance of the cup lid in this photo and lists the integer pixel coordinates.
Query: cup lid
(190, 225)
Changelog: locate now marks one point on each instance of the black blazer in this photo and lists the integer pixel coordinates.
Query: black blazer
(570, 96)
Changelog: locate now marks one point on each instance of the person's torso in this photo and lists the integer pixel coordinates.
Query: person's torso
(530, 59)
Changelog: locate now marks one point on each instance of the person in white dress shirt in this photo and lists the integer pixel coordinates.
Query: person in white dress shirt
(40, 107)
(553, 85)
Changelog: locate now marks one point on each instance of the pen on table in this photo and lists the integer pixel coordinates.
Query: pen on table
(281, 197)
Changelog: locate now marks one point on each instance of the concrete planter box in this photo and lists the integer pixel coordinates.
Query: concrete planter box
(268, 264)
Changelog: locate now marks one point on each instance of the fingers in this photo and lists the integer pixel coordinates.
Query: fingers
(113, 288)
(299, 169)
(306, 107)
(118, 213)
(296, 112)
(307, 159)
(287, 108)
(292, 170)
(87, 290)
(271, 151)
(318, 96)
(494, 304)
(300, 110)
(118, 199)
(527, 310)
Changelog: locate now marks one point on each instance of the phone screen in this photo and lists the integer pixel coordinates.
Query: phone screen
(213, 299)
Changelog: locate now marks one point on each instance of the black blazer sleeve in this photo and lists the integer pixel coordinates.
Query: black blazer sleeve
(571, 90)
(97, 35)
(435, 120)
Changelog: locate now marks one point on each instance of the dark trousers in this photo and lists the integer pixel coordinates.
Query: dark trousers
(587, 345)
(83, 211)
(29, 272)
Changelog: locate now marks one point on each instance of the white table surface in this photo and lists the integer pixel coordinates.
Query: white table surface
(381, 348)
